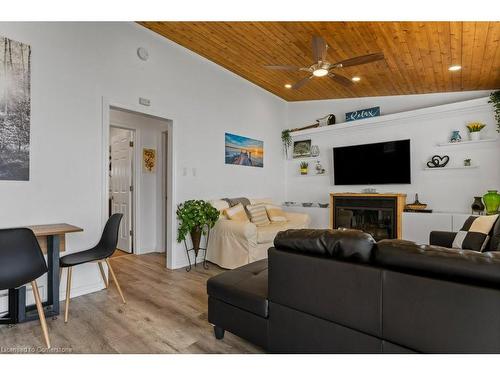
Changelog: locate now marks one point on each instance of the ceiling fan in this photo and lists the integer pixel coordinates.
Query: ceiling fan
(322, 67)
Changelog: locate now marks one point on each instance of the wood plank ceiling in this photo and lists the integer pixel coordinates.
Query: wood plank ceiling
(417, 54)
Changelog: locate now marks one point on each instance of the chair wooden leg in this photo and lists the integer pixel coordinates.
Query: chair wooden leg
(68, 294)
(116, 281)
(103, 274)
(41, 314)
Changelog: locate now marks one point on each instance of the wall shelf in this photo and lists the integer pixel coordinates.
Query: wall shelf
(466, 142)
(312, 175)
(395, 118)
(448, 168)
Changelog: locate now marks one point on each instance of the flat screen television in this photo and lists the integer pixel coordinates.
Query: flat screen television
(372, 164)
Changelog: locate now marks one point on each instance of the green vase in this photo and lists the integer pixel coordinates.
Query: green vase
(491, 201)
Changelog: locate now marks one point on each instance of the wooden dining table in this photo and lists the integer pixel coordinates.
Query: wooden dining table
(52, 240)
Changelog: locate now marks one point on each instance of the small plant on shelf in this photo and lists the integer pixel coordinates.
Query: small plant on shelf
(286, 140)
(304, 165)
(474, 129)
(495, 100)
(195, 217)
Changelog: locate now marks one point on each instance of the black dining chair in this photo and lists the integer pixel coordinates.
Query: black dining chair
(99, 253)
(22, 262)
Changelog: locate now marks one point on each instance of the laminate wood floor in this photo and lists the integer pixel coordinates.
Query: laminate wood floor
(166, 312)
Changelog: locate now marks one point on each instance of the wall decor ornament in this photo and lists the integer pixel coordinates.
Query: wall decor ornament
(492, 202)
(15, 110)
(467, 162)
(314, 151)
(245, 151)
(362, 113)
(438, 161)
(302, 149)
(477, 206)
(149, 160)
(455, 136)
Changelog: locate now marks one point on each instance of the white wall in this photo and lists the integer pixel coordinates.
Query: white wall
(75, 65)
(443, 190)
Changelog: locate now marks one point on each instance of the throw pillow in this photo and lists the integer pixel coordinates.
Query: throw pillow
(258, 214)
(275, 213)
(237, 213)
(474, 234)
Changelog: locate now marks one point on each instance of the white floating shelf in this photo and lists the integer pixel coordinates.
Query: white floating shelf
(448, 168)
(312, 175)
(467, 142)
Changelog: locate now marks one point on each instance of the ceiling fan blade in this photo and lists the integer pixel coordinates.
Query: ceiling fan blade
(319, 48)
(297, 85)
(360, 60)
(282, 67)
(341, 79)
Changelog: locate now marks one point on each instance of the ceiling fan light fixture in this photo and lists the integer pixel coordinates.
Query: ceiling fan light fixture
(356, 79)
(321, 72)
(454, 68)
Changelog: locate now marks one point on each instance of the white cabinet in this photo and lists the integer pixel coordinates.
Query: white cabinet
(418, 226)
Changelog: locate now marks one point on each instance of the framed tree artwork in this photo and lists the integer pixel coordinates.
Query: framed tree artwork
(15, 110)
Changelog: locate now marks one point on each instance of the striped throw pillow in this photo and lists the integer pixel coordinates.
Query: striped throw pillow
(237, 213)
(275, 213)
(474, 234)
(258, 214)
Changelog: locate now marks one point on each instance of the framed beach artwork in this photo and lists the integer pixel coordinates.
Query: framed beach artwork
(244, 151)
(15, 110)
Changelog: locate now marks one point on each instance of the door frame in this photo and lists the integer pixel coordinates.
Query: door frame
(135, 181)
(170, 227)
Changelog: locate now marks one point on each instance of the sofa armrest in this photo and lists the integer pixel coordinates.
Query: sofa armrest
(443, 239)
(235, 228)
(298, 219)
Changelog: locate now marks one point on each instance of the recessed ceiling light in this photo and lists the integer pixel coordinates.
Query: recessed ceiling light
(454, 68)
(320, 72)
(288, 86)
(356, 79)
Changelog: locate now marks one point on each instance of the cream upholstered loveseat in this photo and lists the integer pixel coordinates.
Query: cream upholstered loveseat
(233, 243)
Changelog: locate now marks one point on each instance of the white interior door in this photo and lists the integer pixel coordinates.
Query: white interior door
(121, 183)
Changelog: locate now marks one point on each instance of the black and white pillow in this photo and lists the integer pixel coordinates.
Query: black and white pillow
(474, 234)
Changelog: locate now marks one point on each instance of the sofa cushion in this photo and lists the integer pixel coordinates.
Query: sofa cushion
(258, 214)
(237, 213)
(350, 245)
(244, 287)
(474, 234)
(275, 213)
(267, 233)
(439, 262)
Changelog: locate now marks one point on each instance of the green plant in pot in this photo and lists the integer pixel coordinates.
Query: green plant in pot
(303, 167)
(195, 218)
(286, 140)
(495, 100)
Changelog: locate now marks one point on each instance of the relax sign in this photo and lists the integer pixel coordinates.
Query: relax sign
(362, 113)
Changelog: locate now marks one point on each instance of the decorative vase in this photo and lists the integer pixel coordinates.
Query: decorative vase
(477, 205)
(491, 201)
(314, 151)
(475, 136)
(196, 238)
(303, 170)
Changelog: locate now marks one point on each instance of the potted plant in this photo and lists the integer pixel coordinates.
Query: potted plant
(195, 217)
(303, 167)
(495, 100)
(286, 140)
(474, 129)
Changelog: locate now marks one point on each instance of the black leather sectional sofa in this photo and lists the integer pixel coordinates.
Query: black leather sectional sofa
(331, 291)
